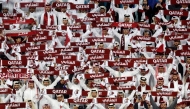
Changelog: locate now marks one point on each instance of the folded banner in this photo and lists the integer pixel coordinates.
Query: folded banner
(6, 91)
(149, 26)
(30, 33)
(13, 70)
(123, 88)
(164, 93)
(68, 62)
(121, 52)
(52, 27)
(32, 48)
(124, 25)
(39, 38)
(14, 105)
(179, 29)
(185, 47)
(14, 76)
(159, 61)
(100, 39)
(46, 72)
(95, 76)
(82, 6)
(13, 62)
(87, 19)
(119, 79)
(175, 13)
(74, 27)
(185, 22)
(101, 24)
(68, 49)
(60, 4)
(182, 53)
(10, 15)
(185, 2)
(98, 15)
(59, 91)
(32, 4)
(97, 51)
(82, 44)
(143, 38)
(19, 21)
(178, 37)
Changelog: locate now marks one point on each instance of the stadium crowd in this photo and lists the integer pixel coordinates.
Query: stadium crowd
(95, 54)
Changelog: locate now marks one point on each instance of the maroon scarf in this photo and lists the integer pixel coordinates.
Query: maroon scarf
(45, 18)
(52, 19)
(122, 42)
(147, 88)
(172, 83)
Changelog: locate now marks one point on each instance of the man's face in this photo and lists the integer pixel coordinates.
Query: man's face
(102, 10)
(146, 34)
(111, 107)
(18, 40)
(90, 82)
(63, 9)
(101, 46)
(59, 98)
(94, 94)
(5, 10)
(163, 106)
(46, 106)
(158, 90)
(32, 9)
(127, 19)
(188, 60)
(96, 68)
(142, 83)
(16, 86)
(47, 8)
(160, 82)
(125, 6)
(31, 85)
(161, 70)
(144, 1)
(75, 107)
(62, 81)
(176, 43)
(46, 83)
(65, 21)
(104, 32)
(125, 31)
(120, 95)
(175, 20)
(121, 69)
(175, 77)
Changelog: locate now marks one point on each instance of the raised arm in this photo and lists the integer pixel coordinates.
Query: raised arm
(154, 105)
(83, 85)
(135, 9)
(7, 98)
(174, 103)
(114, 31)
(133, 73)
(112, 71)
(55, 82)
(37, 82)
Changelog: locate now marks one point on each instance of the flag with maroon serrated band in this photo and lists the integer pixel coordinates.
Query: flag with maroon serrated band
(164, 93)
